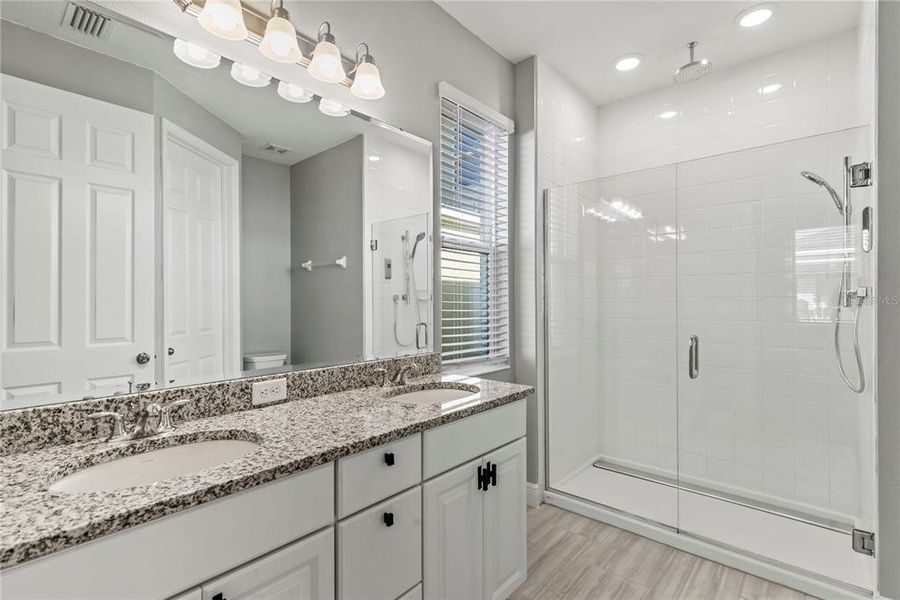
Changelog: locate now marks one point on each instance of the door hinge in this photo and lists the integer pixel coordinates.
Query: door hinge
(861, 175)
(373, 245)
(864, 542)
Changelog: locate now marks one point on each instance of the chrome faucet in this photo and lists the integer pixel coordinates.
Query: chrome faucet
(152, 419)
(400, 377)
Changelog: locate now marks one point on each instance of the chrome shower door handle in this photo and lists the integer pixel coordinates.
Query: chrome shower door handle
(694, 357)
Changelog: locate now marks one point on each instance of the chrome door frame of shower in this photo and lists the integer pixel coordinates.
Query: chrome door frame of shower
(775, 570)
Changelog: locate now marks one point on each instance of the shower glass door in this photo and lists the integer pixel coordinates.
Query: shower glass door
(775, 451)
(611, 344)
(756, 444)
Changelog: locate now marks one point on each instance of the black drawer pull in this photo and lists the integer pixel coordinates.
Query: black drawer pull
(389, 459)
(492, 474)
(388, 519)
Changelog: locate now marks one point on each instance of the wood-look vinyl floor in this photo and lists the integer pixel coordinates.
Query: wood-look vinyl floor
(571, 557)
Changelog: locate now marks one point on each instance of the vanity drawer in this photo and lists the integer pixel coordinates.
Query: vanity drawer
(448, 446)
(373, 475)
(380, 550)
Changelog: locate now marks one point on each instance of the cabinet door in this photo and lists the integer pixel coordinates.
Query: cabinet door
(304, 570)
(505, 530)
(453, 559)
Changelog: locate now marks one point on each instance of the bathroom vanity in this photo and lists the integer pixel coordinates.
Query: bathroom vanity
(373, 492)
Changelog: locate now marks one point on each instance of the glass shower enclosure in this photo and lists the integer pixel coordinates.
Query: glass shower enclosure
(691, 379)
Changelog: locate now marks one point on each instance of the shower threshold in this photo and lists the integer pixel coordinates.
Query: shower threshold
(781, 511)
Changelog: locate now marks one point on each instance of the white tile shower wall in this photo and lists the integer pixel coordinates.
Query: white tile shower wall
(565, 151)
(759, 263)
(396, 186)
(796, 93)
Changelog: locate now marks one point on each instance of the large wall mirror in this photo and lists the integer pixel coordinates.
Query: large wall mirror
(164, 225)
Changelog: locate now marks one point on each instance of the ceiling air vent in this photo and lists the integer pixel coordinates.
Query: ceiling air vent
(274, 148)
(87, 21)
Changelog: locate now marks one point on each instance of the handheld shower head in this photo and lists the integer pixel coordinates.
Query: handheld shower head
(821, 182)
(419, 238)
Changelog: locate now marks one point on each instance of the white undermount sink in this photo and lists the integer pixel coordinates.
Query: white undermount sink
(433, 396)
(156, 465)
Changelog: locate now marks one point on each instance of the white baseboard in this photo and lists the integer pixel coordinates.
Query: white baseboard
(534, 494)
(773, 572)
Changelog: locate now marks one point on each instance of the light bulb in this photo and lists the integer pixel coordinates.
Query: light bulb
(332, 108)
(367, 82)
(294, 93)
(224, 18)
(326, 63)
(196, 56)
(249, 76)
(280, 40)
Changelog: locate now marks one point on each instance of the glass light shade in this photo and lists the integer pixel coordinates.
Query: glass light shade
(326, 63)
(196, 56)
(332, 108)
(294, 93)
(280, 41)
(223, 18)
(367, 82)
(250, 76)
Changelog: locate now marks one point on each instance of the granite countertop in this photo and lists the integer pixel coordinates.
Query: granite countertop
(292, 437)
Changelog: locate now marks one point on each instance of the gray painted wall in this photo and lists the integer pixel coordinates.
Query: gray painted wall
(326, 223)
(527, 247)
(265, 256)
(888, 222)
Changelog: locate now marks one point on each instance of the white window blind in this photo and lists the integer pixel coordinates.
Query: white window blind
(474, 236)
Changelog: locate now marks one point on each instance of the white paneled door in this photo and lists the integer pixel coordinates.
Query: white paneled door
(194, 287)
(76, 245)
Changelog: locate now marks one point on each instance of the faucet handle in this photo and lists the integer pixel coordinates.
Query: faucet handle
(400, 378)
(118, 429)
(165, 420)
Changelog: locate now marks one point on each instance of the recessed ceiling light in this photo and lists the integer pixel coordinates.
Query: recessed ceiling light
(628, 62)
(668, 114)
(196, 55)
(755, 15)
(251, 76)
(769, 89)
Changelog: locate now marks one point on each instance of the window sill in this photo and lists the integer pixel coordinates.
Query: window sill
(474, 369)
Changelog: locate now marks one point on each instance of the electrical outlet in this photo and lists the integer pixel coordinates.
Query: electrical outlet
(266, 392)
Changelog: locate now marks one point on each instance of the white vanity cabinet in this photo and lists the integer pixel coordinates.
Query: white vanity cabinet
(302, 571)
(475, 530)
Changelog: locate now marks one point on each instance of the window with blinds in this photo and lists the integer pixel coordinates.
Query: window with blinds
(474, 237)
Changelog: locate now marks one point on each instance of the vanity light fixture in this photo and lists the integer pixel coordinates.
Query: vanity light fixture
(366, 78)
(280, 40)
(294, 93)
(333, 108)
(326, 59)
(628, 62)
(668, 114)
(755, 15)
(195, 55)
(224, 18)
(249, 76)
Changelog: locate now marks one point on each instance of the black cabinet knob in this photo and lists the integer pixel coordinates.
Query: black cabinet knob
(388, 520)
(389, 459)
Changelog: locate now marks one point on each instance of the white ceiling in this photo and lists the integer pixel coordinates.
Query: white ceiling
(580, 39)
(260, 115)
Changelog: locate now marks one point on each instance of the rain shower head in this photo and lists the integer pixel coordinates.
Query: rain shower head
(694, 70)
(821, 182)
(419, 238)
